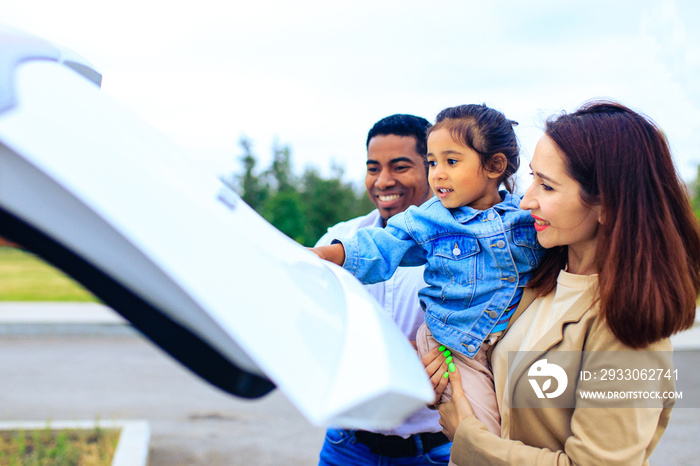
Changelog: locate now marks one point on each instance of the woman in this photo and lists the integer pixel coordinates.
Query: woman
(621, 274)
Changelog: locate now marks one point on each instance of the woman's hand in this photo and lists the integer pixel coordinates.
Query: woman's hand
(456, 410)
(436, 368)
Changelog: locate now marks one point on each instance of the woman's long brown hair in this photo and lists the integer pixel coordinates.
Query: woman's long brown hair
(648, 253)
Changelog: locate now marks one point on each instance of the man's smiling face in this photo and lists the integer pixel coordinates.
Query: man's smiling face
(396, 174)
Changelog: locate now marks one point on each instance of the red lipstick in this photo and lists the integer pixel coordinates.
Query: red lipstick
(539, 227)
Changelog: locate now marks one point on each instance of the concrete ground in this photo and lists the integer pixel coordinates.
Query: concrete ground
(45, 377)
(84, 362)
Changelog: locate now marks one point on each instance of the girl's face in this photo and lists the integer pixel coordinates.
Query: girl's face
(554, 201)
(456, 175)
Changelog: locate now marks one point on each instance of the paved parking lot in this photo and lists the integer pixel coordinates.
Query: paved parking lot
(73, 368)
(126, 377)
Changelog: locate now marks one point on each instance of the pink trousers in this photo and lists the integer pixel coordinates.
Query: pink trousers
(477, 380)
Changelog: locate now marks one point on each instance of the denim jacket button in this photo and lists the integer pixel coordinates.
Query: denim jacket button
(511, 279)
(490, 216)
(501, 243)
(471, 348)
(493, 314)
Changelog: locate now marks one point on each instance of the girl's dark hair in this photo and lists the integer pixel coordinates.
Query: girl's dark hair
(648, 253)
(485, 130)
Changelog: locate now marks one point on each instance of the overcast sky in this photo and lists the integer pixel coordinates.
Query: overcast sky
(316, 75)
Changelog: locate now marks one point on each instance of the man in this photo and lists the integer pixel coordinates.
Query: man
(397, 178)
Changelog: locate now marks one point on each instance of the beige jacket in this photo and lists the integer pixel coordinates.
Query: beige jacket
(563, 436)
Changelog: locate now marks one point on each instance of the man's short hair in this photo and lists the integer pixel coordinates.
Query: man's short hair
(403, 125)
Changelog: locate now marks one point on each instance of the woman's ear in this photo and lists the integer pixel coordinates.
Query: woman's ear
(496, 166)
(598, 210)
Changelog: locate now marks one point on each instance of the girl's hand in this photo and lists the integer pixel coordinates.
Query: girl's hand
(436, 368)
(334, 253)
(456, 410)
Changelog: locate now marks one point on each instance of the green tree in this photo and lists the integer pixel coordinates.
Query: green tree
(280, 172)
(301, 207)
(694, 189)
(329, 201)
(285, 211)
(249, 185)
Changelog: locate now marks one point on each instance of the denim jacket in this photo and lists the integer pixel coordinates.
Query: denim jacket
(478, 262)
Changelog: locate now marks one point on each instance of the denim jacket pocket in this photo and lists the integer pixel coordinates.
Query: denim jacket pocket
(525, 237)
(457, 257)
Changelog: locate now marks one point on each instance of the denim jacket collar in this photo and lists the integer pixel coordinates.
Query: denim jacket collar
(509, 203)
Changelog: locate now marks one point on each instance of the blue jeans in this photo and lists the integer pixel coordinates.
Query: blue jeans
(341, 448)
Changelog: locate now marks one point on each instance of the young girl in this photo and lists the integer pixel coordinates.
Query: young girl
(480, 248)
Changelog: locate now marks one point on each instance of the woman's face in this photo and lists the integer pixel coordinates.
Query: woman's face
(554, 201)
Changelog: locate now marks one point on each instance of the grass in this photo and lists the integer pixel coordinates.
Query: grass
(80, 447)
(25, 277)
